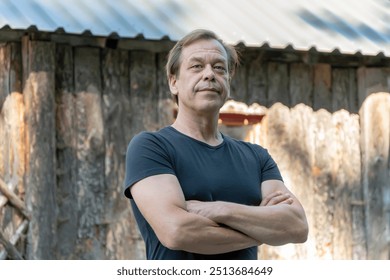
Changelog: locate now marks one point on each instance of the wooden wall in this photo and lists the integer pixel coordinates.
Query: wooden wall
(67, 113)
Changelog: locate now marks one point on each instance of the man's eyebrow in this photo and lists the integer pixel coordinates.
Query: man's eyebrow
(201, 59)
(195, 58)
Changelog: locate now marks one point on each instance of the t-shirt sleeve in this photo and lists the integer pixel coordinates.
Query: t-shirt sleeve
(146, 156)
(268, 168)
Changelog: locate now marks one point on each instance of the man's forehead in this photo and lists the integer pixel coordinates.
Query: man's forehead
(204, 47)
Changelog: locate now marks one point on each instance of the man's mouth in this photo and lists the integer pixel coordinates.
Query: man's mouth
(209, 89)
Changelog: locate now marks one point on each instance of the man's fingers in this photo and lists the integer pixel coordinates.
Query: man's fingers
(269, 197)
(276, 198)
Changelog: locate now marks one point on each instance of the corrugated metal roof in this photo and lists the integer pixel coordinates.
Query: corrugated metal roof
(347, 25)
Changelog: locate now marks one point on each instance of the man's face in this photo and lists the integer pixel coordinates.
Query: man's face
(202, 84)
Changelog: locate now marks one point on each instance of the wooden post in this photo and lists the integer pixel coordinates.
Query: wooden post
(40, 179)
(375, 146)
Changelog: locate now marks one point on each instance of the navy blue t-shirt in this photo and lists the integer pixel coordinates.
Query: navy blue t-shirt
(231, 171)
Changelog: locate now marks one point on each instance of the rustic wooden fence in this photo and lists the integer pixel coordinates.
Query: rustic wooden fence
(67, 113)
(338, 165)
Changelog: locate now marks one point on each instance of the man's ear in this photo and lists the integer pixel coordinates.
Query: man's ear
(172, 84)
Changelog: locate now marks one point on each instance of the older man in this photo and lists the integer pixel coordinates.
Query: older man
(199, 194)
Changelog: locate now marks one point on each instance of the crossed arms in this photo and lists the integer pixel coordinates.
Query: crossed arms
(219, 227)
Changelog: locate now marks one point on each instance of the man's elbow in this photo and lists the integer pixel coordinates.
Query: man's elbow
(301, 233)
(172, 238)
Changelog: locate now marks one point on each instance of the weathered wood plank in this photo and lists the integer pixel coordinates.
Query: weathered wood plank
(5, 52)
(4, 91)
(67, 200)
(143, 91)
(90, 147)
(278, 84)
(40, 179)
(257, 80)
(123, 239)
(15, 119)
(375, 146)
(166, 104)
(238, 87)
(323, 173)
(16, 73)
(335, 180)
(12, 158)
(289, 138)
(301, 84)
(322, 95)
(344, 90)
(344, 157)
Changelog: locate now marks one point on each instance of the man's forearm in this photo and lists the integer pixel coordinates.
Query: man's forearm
(273, 225)
(203, 236)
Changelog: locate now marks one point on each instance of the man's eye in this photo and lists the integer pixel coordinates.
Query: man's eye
(196, 66)
(220, 68)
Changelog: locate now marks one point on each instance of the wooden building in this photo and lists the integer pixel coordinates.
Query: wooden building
(70, 103)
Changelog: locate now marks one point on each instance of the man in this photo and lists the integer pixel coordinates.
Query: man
(199, 194)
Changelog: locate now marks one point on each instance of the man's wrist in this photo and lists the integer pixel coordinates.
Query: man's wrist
(224, 211)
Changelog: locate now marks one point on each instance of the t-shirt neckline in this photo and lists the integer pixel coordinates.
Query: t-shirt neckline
(198, 141)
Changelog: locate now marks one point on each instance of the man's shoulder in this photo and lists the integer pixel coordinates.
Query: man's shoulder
(160, 140)
(151, 135)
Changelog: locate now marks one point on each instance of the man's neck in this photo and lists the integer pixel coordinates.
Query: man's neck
(202, 128)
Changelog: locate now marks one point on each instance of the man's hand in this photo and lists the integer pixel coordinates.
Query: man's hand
(209, 209)
(277, 197)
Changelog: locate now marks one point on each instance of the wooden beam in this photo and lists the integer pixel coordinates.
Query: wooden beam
(14, 199)
(13, 253)
(9, 247)
(4, 199)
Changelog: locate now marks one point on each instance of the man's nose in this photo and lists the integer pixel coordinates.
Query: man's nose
(208, 72)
